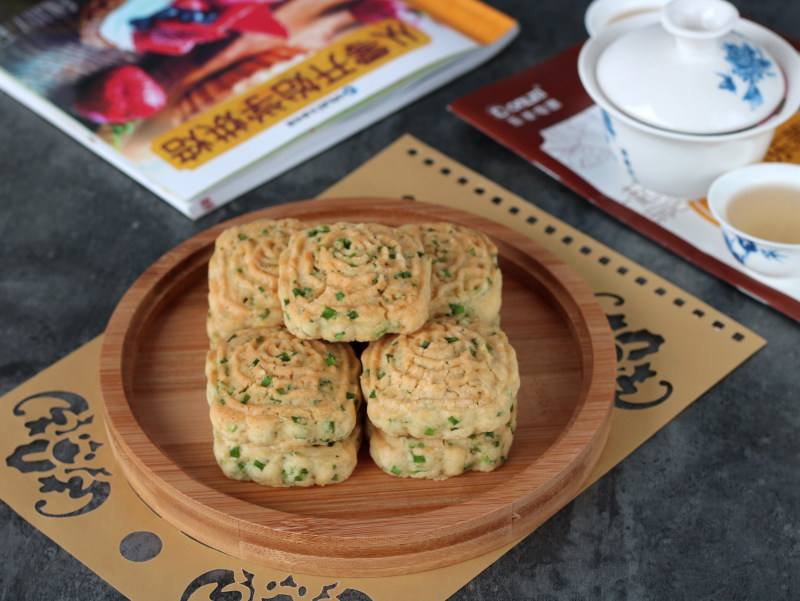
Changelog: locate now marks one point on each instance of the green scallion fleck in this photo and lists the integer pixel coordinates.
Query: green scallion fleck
(328, 313)
(234, 452)
(451, 339)
(456, 309)
(266, 381)
(352, 314)
(339, 295)
(259, 464)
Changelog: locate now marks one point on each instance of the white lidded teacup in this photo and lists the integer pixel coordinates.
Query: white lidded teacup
(758, 209)
(689, 93)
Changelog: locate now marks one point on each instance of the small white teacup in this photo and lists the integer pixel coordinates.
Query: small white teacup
(758, 209)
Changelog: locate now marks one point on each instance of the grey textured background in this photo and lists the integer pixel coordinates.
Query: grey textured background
(709, 508)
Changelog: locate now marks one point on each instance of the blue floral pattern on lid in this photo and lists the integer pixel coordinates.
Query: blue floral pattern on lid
(749, 64)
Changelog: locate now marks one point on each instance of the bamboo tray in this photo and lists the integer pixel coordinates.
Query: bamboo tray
(373, 524)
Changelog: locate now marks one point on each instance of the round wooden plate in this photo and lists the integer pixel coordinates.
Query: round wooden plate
(373, 524)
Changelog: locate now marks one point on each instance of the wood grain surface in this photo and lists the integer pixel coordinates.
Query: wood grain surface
(373, 524)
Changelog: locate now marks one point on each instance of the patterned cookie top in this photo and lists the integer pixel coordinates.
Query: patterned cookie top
(349, 281)
(243, 277)
(268, 387)
(449, 379)
(465, 276)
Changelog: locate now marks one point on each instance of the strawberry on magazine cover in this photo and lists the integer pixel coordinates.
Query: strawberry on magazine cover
(184, 24)
(372, 11)
(120, 95)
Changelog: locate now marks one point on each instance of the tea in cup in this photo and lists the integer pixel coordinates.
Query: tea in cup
(758, 209)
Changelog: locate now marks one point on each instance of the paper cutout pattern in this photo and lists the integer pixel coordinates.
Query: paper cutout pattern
(633, 347)
(66, 465)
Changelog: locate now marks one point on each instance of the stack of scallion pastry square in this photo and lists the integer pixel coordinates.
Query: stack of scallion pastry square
(285, 387)
(285, 411)
(442, 400)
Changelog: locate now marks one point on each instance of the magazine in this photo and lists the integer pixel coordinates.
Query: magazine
(545, 116)
(202, 100)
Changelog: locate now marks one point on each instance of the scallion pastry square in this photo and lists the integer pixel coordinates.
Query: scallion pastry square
(287, 465)
(450, 379)
(439, 458)
(243, 277)
(354, 282)
(267, 387)
(465, 276)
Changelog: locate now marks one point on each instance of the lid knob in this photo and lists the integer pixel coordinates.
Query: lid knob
(697, 24)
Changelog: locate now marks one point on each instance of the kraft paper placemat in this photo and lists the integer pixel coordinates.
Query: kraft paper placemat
(60, 475)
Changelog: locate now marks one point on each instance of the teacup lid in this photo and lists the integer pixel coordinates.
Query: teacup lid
(692, 73)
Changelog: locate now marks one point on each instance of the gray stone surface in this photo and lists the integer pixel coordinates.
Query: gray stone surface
(709, 508)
